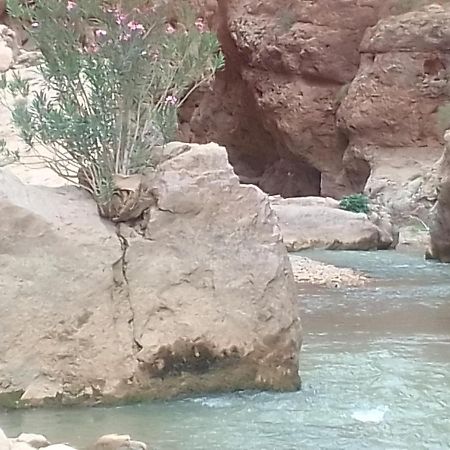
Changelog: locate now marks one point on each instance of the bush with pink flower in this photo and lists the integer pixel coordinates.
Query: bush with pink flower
(114, 80)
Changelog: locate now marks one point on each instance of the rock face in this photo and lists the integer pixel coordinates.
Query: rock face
(312, 222)
(440, 230)
(331, 97)
(56, 259)
(197, 296)
(274, 105)
(404, 61)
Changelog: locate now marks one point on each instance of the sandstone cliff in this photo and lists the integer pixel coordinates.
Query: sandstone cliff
(330, 97)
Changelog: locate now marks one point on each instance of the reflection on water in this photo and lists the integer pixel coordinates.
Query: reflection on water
(381, 351)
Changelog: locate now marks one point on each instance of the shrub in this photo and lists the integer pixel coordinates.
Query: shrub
(113, 80)
(357, 203)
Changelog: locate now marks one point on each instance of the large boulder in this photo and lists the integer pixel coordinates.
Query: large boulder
(314, 222)
(198, 295)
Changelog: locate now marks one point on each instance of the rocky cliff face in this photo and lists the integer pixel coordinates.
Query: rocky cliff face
(330, 97)
(196, 296)
(440, 230)
(391, 111)
(274, 105)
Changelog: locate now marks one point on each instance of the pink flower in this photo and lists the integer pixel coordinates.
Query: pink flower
(135, 26)
(71, 5)
(171, 100)
(120, 18)
(100, 33)
(170, 29)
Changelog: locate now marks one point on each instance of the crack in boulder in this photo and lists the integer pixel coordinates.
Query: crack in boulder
(122, 285)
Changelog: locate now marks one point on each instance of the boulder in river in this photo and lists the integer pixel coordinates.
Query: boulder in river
(316, 222)
(195, 296)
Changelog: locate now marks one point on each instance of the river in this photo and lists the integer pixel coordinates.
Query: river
(375, 367)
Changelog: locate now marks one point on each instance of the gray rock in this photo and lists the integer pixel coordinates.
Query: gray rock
(315, 222)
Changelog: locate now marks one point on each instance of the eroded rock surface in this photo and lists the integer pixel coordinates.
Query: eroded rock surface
(390, 113)
(196, 296)
(331, 98)
(288, 64)
(56, 257)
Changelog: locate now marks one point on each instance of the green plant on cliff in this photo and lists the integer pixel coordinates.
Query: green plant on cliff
(357, 203)
(113, 78)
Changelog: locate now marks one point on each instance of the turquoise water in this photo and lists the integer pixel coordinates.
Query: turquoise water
(380, 353)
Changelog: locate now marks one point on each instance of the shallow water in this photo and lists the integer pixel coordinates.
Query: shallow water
(375, 368)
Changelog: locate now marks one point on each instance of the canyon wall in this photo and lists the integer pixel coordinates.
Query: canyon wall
(330, 97)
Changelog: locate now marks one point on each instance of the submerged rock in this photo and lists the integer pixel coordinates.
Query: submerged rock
(196, 295)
